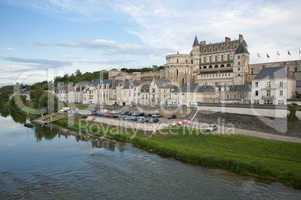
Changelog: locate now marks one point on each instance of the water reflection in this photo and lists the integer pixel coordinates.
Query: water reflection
(49, 133)
(108, 145)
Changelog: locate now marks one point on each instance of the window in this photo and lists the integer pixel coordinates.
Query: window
(205, 67)
(222, 58)
(191, 61)
(281, 93)
(281, 84)
(269, 83)
(228, 57)
(216, 59)
(238, 69)
(216, 66)
(238, 62)
(256, 93)
(268, 93)
(177, 60)
(238, 57)
(256, 84)
(210, 59)
(252, 71)
(210, 67)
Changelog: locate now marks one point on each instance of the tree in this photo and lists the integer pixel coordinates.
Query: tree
(293, 108)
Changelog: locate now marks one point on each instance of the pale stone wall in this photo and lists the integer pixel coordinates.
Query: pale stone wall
(278, 113)
(270, 91)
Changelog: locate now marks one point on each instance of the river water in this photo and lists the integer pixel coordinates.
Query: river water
(37, 163)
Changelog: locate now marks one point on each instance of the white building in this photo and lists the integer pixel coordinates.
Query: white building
(273, 86)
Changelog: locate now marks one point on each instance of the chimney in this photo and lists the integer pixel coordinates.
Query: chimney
(241, 37)
(227, 39)
(203, 42)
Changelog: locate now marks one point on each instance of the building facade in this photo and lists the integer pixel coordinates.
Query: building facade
(223, 63)
(273, 86)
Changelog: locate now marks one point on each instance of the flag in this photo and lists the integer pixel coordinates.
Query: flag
(258, 54)
(268, 56)
(278, 53)
(289, 53)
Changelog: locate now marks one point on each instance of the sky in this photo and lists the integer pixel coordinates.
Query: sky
(41, 39)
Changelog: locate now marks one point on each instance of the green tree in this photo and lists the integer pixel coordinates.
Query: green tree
(293, 108)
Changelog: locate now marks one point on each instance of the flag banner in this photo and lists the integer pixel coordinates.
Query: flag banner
(268, 56)
(289, 53)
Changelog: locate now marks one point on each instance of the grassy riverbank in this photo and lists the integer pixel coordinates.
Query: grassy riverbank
(264, 159)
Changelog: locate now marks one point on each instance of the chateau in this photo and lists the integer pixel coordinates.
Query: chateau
(223, 63)
(209, 73)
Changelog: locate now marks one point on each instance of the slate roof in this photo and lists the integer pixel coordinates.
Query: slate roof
(242, 48)
(273, 73)
(195, 42)
(197, 88)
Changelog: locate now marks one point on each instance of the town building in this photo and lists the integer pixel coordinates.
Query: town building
(273, 85)
(209, 73)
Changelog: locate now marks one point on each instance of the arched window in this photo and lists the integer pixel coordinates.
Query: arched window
(216, 66)
(177, 73)
(210, 67)
(222, 66)
(177, 60)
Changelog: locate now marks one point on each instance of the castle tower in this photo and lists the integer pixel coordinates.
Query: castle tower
(241, 62)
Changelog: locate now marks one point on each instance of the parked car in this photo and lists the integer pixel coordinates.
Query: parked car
(153, 120)
(184, 122)
(156, 115)
(99, 113)
(209, 127)
(64, 109)
(108, 114)
(172, 117)
(141, 119)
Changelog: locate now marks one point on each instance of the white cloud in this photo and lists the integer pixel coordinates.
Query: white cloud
(38, 63)
(267, 25)
(110, 47)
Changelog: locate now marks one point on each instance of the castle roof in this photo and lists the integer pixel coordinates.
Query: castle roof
(242, 48)
(197, 88)
(273, 73)
(195, 42)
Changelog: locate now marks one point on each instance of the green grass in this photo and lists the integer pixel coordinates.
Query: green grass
(264, 159)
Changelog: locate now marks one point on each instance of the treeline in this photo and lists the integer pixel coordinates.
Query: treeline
(79, 77)
(145, 69)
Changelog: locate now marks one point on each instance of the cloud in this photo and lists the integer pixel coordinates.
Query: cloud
(110, 47)
(267, 25)
(38, 63)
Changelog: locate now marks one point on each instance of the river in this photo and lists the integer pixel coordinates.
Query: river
(38, 163)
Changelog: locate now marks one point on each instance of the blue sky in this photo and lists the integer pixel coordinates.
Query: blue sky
(44, 38)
